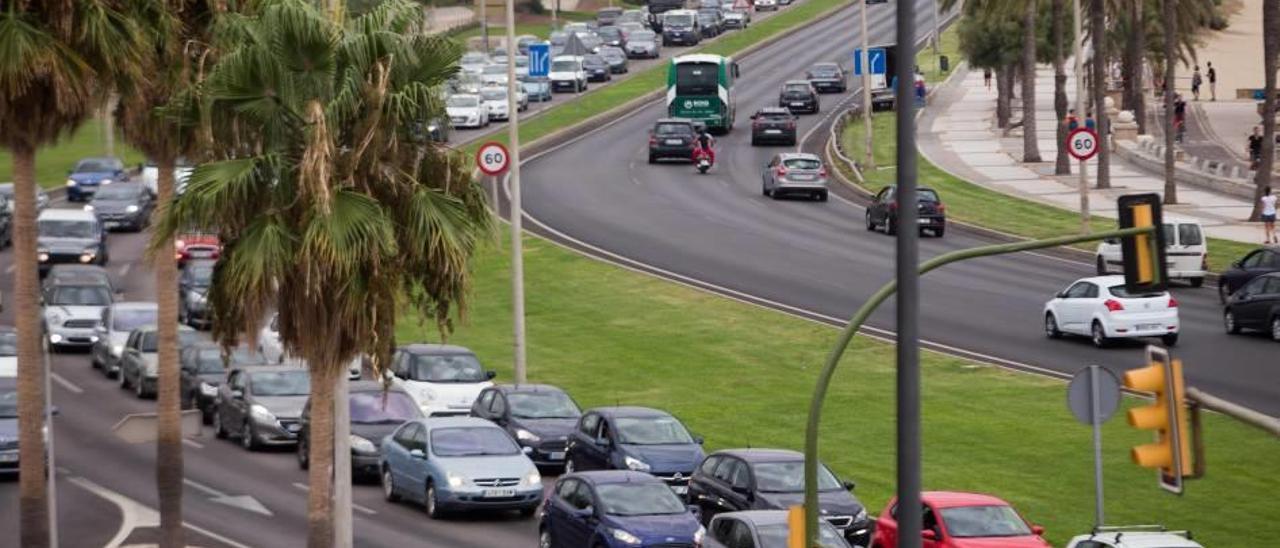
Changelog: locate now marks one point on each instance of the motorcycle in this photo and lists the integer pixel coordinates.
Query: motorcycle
(701, 160)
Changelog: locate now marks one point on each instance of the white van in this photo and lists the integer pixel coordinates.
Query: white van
(1186, 253)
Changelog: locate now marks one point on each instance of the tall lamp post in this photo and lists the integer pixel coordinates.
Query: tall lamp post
(517, 245)
(866, 91)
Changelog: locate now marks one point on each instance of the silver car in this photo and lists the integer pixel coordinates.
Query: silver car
(72, 310)
(262, 405)
(42, 197)
(112, 331)
(140, 361)
(796, 174)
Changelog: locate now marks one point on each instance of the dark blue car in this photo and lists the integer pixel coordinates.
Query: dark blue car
(89, 174)
(635, 438)
(615, 509)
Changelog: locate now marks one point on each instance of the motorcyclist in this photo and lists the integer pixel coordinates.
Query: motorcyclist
(702, 144)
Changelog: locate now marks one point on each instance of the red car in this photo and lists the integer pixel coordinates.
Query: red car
(963, 520)
(196, 245)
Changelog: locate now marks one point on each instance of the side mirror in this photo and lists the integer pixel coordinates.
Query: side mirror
(526, 450)
(490, 374)
(417, 454)
(1037, 530)
(1061, 295)
(698, 440)
(603, 442)
(53, 410)
(753, 116)
(237, 394)
(1236, 264)
(848, 485)
(695, 510)
(929, 534)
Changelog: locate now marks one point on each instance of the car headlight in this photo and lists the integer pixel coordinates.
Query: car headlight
(624, 537)
(71, 182)
(261, 414)
(636, 464)
(131, 209)
(698, 536)
(54, 318)
(88, 207)
(179, 244)
(208, 390)
(117, 350)
(862, 516)
(88, 255)
(43, 256)
(527, 436)
(433, 127)
(195, 297)
(362, 445)
(105, 182)
(455, 480)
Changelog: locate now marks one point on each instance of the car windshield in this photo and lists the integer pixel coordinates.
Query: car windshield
(788, 477)
(472, 58)
(564, 65)
(380, 407)
(642, 36)
(128, 319)
(678, 20)
(796, 88)
(673, 129)
(495, 69)
(118, 192)
(610, 33)
(466, 441)
(447, 368)
(984, 521)
(652, 431)
(774, 116)
(639, 499)
(281, 383)
(491, 94)
(149, 341)
(79, 295)
(593, 60)
(9, 343)
(201, 275)
(802, 163)
(775, 536)
(542, 405)
(209, 360)
(95, 166)
(463, 101)
(824, 70)
(613, 55)
(67, 229)
(1120, 291)
(928, 195)
(8, 399)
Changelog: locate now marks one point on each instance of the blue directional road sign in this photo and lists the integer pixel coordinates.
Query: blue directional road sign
(878, 61)
(539, 59)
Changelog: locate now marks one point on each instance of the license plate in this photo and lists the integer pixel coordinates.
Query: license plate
(110, 224)
(680, 489)
(201, 254)
(674, 142)
(293, 427)
(1148, 326)
(499, 493)
(773, 131)
(801, 177)
(556, 455)
(923, 221)
(797, 104)
(9, 457)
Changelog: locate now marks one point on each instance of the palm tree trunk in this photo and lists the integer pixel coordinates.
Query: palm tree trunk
(169, 462)
(1062, 162)
(1097, 28)
(1004, 88)
(320, 473)
(1138, 49)
(33, 494)
(1170, 68)
(1030, 140)
(1270, 52)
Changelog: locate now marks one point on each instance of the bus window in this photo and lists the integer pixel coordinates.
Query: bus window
(696, 79)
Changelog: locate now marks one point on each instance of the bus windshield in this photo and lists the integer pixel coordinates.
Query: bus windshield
(696, 79)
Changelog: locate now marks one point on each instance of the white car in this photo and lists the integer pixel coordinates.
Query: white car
(1116, 537)
(1186, 253)
(467, 111)
(272, 349)
(494, 75)
(1101, 309)
(8, 352)
(444, 380)
(473, 62)
(762, 5)
(567, 74)
(495, 101)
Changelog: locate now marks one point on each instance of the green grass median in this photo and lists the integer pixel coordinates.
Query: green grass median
(53, 162)
(742, 375)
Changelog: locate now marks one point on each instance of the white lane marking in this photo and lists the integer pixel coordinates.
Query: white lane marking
(67, 384)
(192, 443)
(202, 487)
(135, 515)
(243, 502)
(124, 270)
(354, 506)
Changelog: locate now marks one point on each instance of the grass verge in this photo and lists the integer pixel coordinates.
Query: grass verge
(741, 375)
(53, 162)
(541, 29)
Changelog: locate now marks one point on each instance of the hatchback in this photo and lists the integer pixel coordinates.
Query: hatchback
(262, 405)
(1102, 309)
(672, 138)
(1255, 306)
(1186, 253)
(140, 361)
(795, 174)
(616, 59)
(635, 438)
(110, 333)
(443, 379)
(90, 174)
(1260, 261)
(374, 413)
(773, 125)
(798, 96)
(615, 509)
(123, 205)
(597, 69)
(827, 77)
(204, 367)
(72, 309)
(193, 291)
(540, 417)
(960, 520)
(931, 213)
(458, 463)
(762, 529)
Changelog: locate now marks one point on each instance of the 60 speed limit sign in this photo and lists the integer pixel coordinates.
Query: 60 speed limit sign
(1082, 144)
(492, 158)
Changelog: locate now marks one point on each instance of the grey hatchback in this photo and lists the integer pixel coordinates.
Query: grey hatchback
(796, 174)
(262, 405)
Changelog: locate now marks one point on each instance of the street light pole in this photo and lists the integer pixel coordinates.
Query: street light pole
(908, 298)
(866, 91)
(517, 245)
(484, 24)
(1083, 184)
(343, 530)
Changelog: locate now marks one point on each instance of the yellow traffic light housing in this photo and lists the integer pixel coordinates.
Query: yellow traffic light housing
(1143, 255)
(1167, 416)
(795, 527)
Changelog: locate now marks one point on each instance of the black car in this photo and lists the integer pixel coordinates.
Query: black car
(193, 291)
(123, 205)
(680, 29)
(597, 68)
(375, 413)
(616, 59)
(1255, 306)
(538, 416)
(798, 96)
(827, 78)
(773, 479)
(203, 368)
(6, 223)
(773, 125)
(1258, 262)
(672, 138)
(612, 36)
(882, 214)
(635, 438)
(711, 21)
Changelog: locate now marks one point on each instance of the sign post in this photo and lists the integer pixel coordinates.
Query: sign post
(1082, 144)
(492, 159)
(1093, 395)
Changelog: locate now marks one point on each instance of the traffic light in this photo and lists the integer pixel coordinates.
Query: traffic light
(1145, 269)
(795, 527)
(1167, 416)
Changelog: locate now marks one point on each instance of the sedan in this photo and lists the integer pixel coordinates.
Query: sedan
(615, 509)
(931, 213)
(495, 101)
(635, 438)
(190, 246)
(795, 174)
(538, 89)
(1255, 306)
(597, 69)
(262, 405)
(762, 529)
(957, 520)
(613, 36)
(458, 463)
(540, 417)
(616, 59)
(193, 292)
(644, 44)
(140, 361)
(737, 18)
(1102, 309)
(828, 78)
(90, 174)
(467, 111)
(374, 413)
(799, 96)
(1260, 261)
(773, 125)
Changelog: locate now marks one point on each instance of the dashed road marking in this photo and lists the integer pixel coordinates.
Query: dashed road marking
(71, 387)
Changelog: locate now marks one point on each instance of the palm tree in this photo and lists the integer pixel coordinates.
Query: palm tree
(1030, 141)
(1170, 70)
(61, 59)
(330, 207)
(1062, 162)
(1097, 29)
(177, 34)
(1270, 52)
(1134, 57)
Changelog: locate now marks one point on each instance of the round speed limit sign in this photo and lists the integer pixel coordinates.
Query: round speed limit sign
(492, 158)
(1082, 144)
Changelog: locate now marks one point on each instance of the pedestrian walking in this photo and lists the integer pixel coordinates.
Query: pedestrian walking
(1179, 117)
(1073, 121)
(1254, 148)
(1196, 80)
(1213, 82)
(986, 77)
(1268, 200)
(1089, 122)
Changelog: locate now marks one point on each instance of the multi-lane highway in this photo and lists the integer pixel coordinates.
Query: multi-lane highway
(717, 231)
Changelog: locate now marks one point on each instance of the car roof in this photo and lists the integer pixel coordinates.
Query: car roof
(796, 83)
(798, 156)
(953, 499)
(597, 477)
(432, 348)
(758, 517)
(1142, 539)
(629, 411)
(762, 454)
(53, 214)
(152, 327)
(1104, 281)
(134, 305)
(673, 121)
(373, 386)
(513, 388)
(774, 110)
(826, 65)
(456, 422)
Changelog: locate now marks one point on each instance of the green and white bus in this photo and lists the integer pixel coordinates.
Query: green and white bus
(700, 87)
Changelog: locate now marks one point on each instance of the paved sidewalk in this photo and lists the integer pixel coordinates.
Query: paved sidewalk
(957, 133)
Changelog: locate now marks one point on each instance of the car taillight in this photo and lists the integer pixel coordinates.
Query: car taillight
(1173, 303)
(791, 124)
(782, 170)
(653, 140)
(1204, 261)
(822, 172)
(1113, 305)
(893, 206)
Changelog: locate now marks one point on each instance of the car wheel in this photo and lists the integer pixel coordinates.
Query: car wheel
(528, 511)
(1051, 327)
(871, 226)
(939, 232)
(764, 190)
(304, 456)
(544, 538)
(1170, 339)
(1099, 335)
(122, 379)
(1223, 292)
(1101, 266)
(1275, 329)
(890, 225)
(652, 159)
(219, 431)
(1229, 322)
(433, 506)
(1197, 282)
(822, 196)
(139, 389)
(248, 439)
(388, 486)
(754, 142)
(568, 464)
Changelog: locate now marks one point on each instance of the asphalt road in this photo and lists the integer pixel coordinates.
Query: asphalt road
(718, 232)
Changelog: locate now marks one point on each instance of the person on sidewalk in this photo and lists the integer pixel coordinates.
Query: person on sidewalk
(1179, 117)
(1196, 80)
(1254, 148)
(1269, 217)
(1213, 82)
(1073, 121)
(986, 77)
